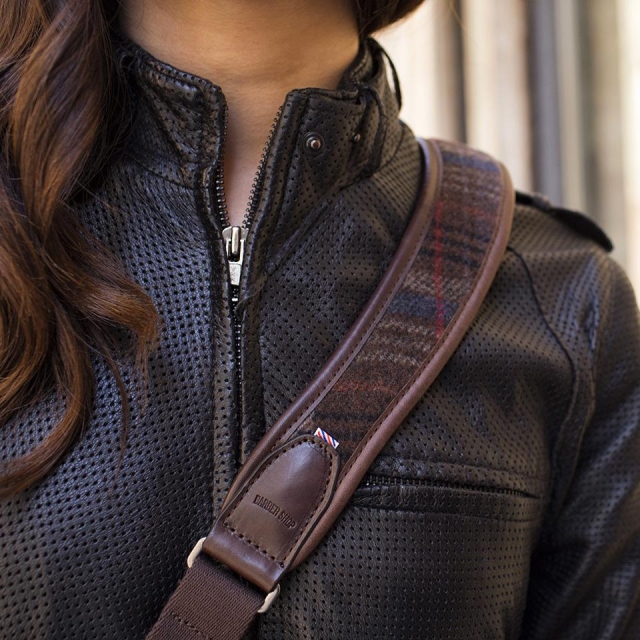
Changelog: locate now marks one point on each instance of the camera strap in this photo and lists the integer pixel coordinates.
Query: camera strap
(301, 475)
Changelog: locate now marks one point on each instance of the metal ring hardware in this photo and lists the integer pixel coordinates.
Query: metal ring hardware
(271, 596)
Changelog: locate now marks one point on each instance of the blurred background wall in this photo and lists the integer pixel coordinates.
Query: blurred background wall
(551, 87)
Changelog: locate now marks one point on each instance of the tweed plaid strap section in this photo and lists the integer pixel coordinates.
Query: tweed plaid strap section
(295, 483)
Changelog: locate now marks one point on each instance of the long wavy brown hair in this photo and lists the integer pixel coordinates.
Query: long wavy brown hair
(62, 293)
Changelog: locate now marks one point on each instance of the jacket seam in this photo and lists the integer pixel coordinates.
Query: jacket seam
(148, 169)
(405, 128)
(604, 322)
(566, 421)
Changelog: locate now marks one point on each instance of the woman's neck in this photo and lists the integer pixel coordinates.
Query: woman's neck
(256, 51)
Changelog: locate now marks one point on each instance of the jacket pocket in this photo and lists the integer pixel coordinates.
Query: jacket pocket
(411, 559)
(439, 496)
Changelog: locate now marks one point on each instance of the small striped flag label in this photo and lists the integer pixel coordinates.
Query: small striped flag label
(326, 437)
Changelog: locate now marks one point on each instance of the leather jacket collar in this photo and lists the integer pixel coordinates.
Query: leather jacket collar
(179, 121)
(177, 133)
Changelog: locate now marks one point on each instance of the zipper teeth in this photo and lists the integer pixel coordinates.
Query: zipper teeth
(259, 176)
(221, 200)
(257, 179)
(372, 479)
(223, 212)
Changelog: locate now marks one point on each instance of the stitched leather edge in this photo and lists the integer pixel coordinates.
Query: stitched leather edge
(368, 449)
(333, 460)
(259, 563)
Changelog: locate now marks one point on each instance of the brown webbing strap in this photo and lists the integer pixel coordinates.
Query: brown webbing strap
(295, 483)
(212, 604)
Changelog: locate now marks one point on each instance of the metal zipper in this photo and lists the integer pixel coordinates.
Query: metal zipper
(235, 236)
(372, 480)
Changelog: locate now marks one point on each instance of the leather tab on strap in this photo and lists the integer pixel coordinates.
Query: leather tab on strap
(259, 532)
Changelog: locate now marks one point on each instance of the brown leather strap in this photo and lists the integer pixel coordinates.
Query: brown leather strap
(295, 484)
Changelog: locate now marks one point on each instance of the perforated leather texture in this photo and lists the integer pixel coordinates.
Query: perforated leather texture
(507, 505)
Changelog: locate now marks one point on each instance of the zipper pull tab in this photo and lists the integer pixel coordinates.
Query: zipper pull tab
(234, 238)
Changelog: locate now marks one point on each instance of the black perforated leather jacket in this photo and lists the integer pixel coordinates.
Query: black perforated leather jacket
(506, 506)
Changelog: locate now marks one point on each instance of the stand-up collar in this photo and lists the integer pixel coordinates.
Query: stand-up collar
(177, 130)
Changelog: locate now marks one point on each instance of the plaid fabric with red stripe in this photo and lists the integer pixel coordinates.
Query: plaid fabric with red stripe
(462, 223)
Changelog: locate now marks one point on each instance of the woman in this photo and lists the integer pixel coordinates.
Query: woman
(137, 376)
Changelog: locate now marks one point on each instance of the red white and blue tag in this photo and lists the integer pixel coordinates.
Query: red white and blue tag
(326, 437)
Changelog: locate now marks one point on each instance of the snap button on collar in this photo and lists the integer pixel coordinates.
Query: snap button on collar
(314, 141)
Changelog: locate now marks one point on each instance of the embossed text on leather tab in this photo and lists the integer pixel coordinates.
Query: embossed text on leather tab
(258, 533)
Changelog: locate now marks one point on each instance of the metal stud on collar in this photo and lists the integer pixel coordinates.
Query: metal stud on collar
(314, 141)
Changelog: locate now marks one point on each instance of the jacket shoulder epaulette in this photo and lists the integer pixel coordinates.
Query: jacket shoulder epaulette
(576, 220)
